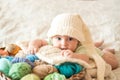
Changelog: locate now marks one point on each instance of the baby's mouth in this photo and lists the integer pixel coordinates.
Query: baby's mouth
(64, 48)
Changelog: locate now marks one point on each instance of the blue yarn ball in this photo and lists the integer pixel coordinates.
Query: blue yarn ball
(32, 57)
(10, 58)
(18, 59)
(68, 69)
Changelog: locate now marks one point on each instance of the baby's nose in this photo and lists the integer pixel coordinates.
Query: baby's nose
(63, 42)
(64, 45)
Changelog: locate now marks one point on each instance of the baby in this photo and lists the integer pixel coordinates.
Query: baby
(67, 33)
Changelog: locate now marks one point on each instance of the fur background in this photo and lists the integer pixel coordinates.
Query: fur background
(24, 20)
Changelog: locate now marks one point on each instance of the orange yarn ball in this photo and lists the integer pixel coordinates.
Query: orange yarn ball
(12, 49)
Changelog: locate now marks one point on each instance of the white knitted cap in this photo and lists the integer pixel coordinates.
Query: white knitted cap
(67, 24)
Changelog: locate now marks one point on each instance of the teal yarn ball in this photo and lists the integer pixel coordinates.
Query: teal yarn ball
(18, 70)
(5, 66)
(68, 69)
(30, 77)
(55, 76)
(32, 57)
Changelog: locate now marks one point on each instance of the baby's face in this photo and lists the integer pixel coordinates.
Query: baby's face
(65, 42)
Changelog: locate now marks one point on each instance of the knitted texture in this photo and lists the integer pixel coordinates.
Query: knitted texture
(67, 24)
(52, 56)
(30, 77)
(18, 70)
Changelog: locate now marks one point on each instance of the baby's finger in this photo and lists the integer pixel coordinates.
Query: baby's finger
(35, 50)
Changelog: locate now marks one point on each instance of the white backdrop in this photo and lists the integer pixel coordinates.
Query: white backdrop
(28, 19)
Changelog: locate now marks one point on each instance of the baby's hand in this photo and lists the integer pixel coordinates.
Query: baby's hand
(34, 46)
(32, 49)
(66, 53)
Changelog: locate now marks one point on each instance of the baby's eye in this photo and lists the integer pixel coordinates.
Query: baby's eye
(70, 39)
(58, 38)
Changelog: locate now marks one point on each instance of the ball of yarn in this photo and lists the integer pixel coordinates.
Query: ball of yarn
(18, 59)
(68, 69)
(12, 49)
(55, 76)
(5, 66)
(31, 57)
(44, 70)
(30, 77)
(18, 70)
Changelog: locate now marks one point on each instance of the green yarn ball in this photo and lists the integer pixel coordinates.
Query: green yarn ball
(5, 66)
(55, 76)
(30, 77)
(18, 70)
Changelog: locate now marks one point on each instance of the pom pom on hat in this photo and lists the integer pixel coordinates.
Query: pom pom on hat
(30, 77)
(67, 24)
(5, 66)
(18, 70)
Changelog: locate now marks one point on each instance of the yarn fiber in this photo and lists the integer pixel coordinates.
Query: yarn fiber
(18, 70)
(44, 70)
(32, 57)
(18, 59)
(10, 58)
(68, 69)
(5, 66)
(55, 76)
(30, 77)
